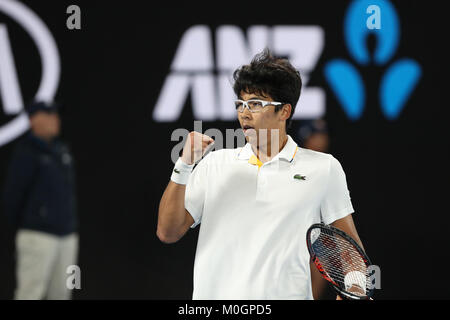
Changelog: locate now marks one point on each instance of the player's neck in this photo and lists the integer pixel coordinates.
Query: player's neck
(266, 151)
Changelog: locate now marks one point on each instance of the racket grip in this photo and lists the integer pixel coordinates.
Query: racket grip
(355, 278)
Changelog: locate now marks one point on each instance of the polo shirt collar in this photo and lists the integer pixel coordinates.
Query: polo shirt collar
(287, 153)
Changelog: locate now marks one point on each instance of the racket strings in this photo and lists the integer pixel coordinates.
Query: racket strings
(339, 258)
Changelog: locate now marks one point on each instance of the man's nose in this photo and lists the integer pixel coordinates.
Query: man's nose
(246, 114)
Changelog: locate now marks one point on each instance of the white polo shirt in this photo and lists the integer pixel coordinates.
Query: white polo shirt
(254, 218)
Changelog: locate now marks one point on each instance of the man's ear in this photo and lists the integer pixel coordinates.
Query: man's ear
(286, 111)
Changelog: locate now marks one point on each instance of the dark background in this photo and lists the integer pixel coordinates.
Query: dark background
(112, 72)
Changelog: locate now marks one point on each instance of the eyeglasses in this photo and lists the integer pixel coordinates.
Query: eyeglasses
(254, 105)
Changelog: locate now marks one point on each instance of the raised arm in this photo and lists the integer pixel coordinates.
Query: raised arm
(173, 219)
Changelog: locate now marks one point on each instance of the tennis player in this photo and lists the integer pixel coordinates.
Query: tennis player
(255, 203)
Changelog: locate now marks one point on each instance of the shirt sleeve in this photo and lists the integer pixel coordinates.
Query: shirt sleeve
(17, 184)
(336, 203)
(196, 187)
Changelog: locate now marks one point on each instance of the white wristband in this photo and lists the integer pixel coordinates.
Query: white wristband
(181, 172)
(355, 278)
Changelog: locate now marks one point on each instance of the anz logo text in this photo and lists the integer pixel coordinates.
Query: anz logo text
(195, 69)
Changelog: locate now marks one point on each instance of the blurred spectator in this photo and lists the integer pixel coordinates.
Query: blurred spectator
(313, 134)
(40, 205)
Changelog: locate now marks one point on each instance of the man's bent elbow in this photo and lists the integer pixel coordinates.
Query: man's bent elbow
(167, 237)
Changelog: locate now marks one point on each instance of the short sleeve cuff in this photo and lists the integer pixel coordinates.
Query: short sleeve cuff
(193, 212)
(329, 218)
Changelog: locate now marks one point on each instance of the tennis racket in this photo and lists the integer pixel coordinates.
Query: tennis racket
(341, 261)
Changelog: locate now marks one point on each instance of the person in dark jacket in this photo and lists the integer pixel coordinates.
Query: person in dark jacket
(40, 204)
(313, 135)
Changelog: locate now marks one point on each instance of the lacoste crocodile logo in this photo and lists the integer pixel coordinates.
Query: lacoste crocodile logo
(299, 177)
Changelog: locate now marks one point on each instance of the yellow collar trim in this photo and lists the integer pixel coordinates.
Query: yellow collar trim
(296, 149)
(255, 161)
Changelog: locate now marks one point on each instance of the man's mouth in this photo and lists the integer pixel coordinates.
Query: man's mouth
(249, 131)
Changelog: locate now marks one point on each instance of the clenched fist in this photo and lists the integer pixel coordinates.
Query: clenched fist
(195, 147)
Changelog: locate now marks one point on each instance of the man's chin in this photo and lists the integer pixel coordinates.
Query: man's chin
(250, 132)
(252, 140)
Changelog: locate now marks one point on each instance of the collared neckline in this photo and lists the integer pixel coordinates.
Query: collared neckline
(287, 153)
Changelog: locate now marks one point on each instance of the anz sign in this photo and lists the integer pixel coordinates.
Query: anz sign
(207, 77)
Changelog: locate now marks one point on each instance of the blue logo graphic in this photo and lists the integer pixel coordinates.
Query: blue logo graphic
(399, 80)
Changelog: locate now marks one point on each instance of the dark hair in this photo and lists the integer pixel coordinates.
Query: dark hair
(269, 75)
